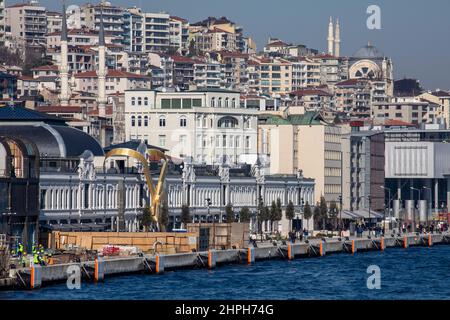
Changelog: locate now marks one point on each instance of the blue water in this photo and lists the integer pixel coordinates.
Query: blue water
(415, 273)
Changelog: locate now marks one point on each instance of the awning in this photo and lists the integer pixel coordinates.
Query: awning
(361, 214)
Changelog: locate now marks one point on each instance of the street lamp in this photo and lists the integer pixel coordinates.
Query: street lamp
(389, 208)
(414, 212)
(429, 205)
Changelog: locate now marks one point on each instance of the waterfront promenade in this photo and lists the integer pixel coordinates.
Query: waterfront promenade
(103, 267)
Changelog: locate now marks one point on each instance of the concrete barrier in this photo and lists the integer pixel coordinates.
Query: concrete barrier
(99, 269)
(250, 255)
(160, 260)
(212, 259)
(36, 276)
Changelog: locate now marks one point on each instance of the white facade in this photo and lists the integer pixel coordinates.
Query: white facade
(206, 126)
(156, 32)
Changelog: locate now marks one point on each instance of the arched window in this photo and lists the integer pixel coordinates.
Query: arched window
(227, 122)
(213, 102)
(162, 121)
(139, 101)
(133, 101)
(219, 104)
(139, 121)
(133, 121)
(233, 103)
(183, 121)
(146, 121)
(146, 101)
(226, 103)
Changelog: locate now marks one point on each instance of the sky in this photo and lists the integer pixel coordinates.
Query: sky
(414, 33)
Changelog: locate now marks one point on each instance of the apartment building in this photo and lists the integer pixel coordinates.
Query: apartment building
(234, 69)
(179, 33)
(305, 73)
(156, 32)
(26, 23)
(441, 98)
(274, 75)
(113, 17)
(409, 109)
(208, 74)
(54, 21)
(311, 99)
(2, 22)
(303, 142)
(204, 126)
(133, 38)
(330, 73)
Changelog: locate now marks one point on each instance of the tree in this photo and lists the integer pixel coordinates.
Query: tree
(164, 217)
(316, 214)
(290, 213)
(307, 213)
(185, 215)
(333, 211)
(146, 219)
(244, 215)
(192, 49)
(273, 214)
(229, 213)
(323, 210)
(262, 215)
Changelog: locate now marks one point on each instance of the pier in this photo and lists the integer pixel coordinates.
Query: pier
(103, 267)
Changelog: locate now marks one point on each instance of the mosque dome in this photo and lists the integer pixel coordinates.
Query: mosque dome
(368, 51)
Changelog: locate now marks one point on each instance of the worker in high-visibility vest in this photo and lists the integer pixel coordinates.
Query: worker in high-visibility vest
(36, 259)
(20, 250)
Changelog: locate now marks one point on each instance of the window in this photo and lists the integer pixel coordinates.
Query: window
(247, 142)
(133, 101)
(176, 103)
(133, 121)
(237, 143)
(162, 121)
(146, 101)
(196, 102)
(227, 122)
(139, 101)
(187, 103)
(162, 140)
(183, 140)
(233, 103)
(165, 103)
(217, 141)
(219, 104)
(227, 103)
(139, 121)
(183, 121)
(146, 121)
(213, 102)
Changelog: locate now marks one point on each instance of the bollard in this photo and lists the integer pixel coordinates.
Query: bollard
(159, 264)
(382, 244)
(212, 259)
(321, 249)
(251, 255)
(36, 276)
(405, 242)
(290, 251)
(430, 241)
(99, 269)
(353, 247)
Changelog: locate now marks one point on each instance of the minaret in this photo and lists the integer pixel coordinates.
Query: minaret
(337, 40)
(64, 67)
(101, 73)
(330, 37)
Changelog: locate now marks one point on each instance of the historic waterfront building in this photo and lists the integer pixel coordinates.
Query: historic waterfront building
(208, 126)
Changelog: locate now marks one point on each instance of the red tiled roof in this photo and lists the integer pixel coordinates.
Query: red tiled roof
(111, 74)
(46, 68)
(325, 56)
(59, 109)
(309, 92)
(177, 58)
(393, 122)
(276, 43)
(178, 18)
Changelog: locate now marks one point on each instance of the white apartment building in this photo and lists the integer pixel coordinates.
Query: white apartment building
(2, 22)
(26, 23)
(179, 33)
(112, 18)
(54, 21)
(208, 74)
(205, 126)
(305, 73)
(156, 32)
